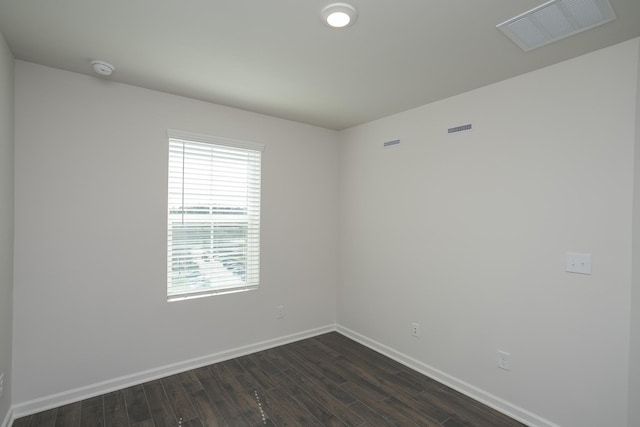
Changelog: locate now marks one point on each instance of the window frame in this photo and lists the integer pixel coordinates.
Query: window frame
(251, 216)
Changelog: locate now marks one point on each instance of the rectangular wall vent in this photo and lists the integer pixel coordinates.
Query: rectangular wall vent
(391, 143)
(556, 20)
(460, 128)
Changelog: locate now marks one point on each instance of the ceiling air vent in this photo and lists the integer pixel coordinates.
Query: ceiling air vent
(462, 128)
(556, 20)
(393, 143)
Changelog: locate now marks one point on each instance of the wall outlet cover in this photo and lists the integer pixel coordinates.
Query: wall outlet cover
(504, 360)
(415, 329)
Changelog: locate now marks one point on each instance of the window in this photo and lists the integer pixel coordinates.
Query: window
(213, 239)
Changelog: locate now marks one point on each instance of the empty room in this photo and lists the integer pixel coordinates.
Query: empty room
(370, 213)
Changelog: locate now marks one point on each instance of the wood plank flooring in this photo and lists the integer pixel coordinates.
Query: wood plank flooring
(328, 380)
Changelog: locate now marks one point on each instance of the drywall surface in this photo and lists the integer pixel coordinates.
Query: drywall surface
(634, 359)
(467, 233)
(6, 222)
(90, 251)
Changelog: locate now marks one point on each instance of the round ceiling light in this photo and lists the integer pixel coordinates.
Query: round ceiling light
(339, 15)
(102, 68)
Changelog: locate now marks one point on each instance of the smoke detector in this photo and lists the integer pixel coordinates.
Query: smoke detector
(101, 67)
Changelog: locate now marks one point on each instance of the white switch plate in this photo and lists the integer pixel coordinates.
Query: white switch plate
(578, 263)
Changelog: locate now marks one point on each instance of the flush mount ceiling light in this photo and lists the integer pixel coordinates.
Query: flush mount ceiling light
(102, 68)
(556, 20)
(339, 15)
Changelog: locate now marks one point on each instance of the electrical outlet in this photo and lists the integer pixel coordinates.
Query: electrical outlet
(415, 329)
(504, 360)
(280, 311)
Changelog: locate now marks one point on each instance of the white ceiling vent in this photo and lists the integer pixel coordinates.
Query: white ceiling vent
(556, 20)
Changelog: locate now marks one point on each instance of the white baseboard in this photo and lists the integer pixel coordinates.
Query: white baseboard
(8, 419)
(44, 403)
(463, 387)
(70, 396)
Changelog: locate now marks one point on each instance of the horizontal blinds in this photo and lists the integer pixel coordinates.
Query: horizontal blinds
(213, 217)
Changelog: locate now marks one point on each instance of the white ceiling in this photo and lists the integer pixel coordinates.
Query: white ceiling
(276, 56)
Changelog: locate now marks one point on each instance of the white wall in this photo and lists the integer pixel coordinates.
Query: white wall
(634, 360)
(90, 252)
(466, 234)
(6, 221)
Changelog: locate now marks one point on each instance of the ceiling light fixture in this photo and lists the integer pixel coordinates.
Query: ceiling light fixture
(339, 15)
(102, 68)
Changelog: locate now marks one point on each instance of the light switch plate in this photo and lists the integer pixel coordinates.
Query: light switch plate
(578, 263)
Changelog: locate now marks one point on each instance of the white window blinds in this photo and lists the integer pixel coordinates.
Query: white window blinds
(213, 215)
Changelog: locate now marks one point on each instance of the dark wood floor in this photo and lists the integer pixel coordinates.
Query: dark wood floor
(322, 381)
